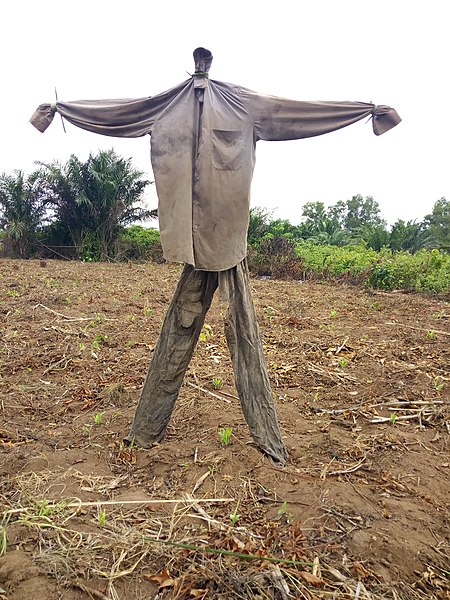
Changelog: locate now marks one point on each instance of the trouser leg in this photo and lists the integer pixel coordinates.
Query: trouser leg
(179, 335)
(252, 380)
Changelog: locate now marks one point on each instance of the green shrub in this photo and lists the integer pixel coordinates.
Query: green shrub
(139, 243)
(423, 271)
(275, 256)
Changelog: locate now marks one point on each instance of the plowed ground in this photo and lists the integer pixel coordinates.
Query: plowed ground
(362, 384)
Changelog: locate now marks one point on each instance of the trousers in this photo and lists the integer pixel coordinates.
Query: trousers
(181, 329)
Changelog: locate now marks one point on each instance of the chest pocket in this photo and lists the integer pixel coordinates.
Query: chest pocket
(228, 149)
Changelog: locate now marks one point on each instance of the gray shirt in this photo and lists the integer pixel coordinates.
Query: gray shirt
(203, 138)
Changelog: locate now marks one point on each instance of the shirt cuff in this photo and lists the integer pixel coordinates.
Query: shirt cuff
(43, 116)
(384, 118)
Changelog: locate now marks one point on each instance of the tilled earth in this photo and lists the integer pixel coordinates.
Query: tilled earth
(360, 510)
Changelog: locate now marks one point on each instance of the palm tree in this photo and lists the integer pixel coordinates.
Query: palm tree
(410, 236)
(96, 198)
(22, 212)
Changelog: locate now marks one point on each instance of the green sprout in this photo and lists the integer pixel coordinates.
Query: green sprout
(3, 535)
(393, 418)
(217, 383)
(148, 311)
(98, 418)
(99, 340)
(225, 435)
(235, 516)
(270, 312)
(438, 384)
(206, 332)
(282, 509)
(87, 428)
(343, 362)
(102, 517)
(283, 512)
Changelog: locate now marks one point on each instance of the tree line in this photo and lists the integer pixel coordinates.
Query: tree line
(80, 208)
(356, 221)
(89, 210)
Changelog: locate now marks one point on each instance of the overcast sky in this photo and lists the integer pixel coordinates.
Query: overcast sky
(386, 52)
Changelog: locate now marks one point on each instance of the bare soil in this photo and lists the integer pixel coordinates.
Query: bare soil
(362, 382)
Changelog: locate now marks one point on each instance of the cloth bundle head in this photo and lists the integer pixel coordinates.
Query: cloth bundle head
(203, 59)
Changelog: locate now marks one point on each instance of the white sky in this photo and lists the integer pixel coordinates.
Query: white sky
(391, 52)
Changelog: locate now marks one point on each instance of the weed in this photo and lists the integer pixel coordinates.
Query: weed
(343, 362)
(102, 517)
(95, 321)
(206, 332)
(235, 516)
(270, 312)
(217, 383)
(333, 313)
(98, 418)
(375, 306)
(393, 418)
(13, 293)
(3, 535)
(282, 512)
(43, 508)
(148, 311)
(82, 347)
(87, 429)
(225, 435)
(431, 335)
(438, 384)
(99, 340)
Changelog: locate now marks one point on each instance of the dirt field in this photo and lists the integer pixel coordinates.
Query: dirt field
(362, 384)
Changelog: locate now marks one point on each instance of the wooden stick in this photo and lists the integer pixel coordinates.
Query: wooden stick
(208, 392)
(80, 504)
(390, 419)
(69, 319)
(420, 328)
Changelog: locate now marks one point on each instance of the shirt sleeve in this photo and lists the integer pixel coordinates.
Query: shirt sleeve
(281, 119)
(117, 118)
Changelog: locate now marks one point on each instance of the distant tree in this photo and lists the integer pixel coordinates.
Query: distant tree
(314, 215)
(258, 225)
(22, 212)
(360, 212)
(324, 226)
(438, 224)
(409, 236)
(374, 236)
(95, 198)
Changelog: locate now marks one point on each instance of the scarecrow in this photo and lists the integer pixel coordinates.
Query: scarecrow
(203, 137)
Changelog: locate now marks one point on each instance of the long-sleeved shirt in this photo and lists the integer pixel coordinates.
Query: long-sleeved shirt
(203, 138)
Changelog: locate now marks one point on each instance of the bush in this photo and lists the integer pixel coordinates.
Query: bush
(139, 243)
(349, 262)
(423, 271)
(276, 257)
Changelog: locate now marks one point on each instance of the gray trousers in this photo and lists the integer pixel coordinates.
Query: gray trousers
(179, 335)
